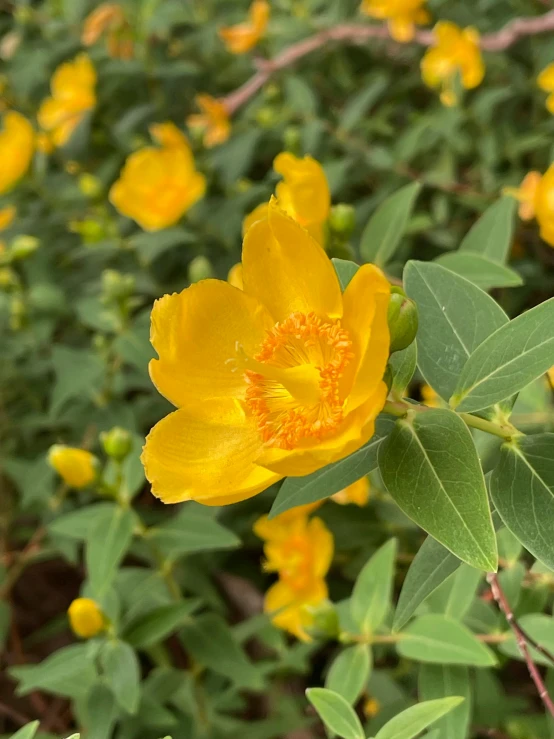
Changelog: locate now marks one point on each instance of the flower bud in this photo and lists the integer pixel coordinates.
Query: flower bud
(402, 319)
(291, 139)
(117, 442)
(117, 286)
(76, 467)
(324, 621)
(89, 185)
(342, 219)
(8, 279)
(86, 618)
(23, 246)
(200, 268)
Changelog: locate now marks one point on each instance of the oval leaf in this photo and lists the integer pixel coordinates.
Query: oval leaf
(27, 732)
(157, 624)
(430, 467)
(511, 358)
(372, 592)
(541, 629)
(122, 672)
(403, 365)
(336, 713)
(481, 271)
(107, 543)
(349, 673)
(413, 720)
(491, 235)
(443, 681)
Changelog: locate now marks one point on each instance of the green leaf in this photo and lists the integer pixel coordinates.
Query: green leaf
(337, 715)
(156, 625)
(522, 489)
(212, 644)
(27, 732)
(122, 672)
(412, 721)
(5, 620)
(480, 270)
(78, 524)
(102, 712)
(150, 246)
(356, 107)
(334, 477)
(511, 358)
(440, 639)
(349, 673)
(541, 629)
(70, 672)
(385, 228)
(431, 566)
(78, 373)
(442, 681)
(371, 596)
(491, 235)
(455, 316)
(107, 543)
(430, 466)
(464, 587)
(193, 529)
(345, 270)
(403, 365)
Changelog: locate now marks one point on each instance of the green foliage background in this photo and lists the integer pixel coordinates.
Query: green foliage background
(203, 661)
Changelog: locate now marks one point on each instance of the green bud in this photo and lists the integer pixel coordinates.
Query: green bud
(342, 219)
(402, 319)
(116, 286)
(23, 246)
(271, 91)
(89, 185)
(266, 116)
(18, 313)
(8, 279)
(117, 442)
(200, 268)
(325, 624)
(291, 138)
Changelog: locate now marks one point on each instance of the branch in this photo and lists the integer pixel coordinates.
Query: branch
(520, 635)
(356, 34)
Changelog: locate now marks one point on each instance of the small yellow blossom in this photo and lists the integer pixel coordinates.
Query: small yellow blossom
(402, 15)
(109, 18)
(281, 378)
(234, 277)
(371, 707)
(536, 197)
(357, 493)
(304, 194)
(456, 51)
(7, 215)
(86, 618)
(213, 120)
(244, 36)
(430, 397)
(73, 87)
(545, 81)
(300, 551)
(76, 467)
(17, 143)
(158, 185)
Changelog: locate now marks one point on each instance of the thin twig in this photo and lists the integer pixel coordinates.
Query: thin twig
(358, 33)
(520, 636)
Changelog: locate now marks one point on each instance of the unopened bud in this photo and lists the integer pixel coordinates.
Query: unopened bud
(342, 219)
(291, 138)
(117, 442)
(324, 621)
(402, 320)
(23, 246)
(117, 286)
(200, 268)
(90, 185)
(86, 618)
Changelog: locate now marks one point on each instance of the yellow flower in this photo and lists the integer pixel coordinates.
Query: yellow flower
(281, 378)
(234, 277)
(357, 493)
(76, 467)
(304, 194)
(214, 120)
(73, 87)
(402, 15)
(430, 397)
(545, 81)
(7, 215)
(110, 18)
(44, 143)
(300, 551)
(456, 50)
(86, 618)
(17, 142)
(241, 38)
(536, 195)
(371, 707)
(158, 185)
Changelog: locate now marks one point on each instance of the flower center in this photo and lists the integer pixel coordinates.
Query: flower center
(293, 381)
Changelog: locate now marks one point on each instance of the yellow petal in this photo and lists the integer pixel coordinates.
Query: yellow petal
(86, 618)
(196, 334)
(304, 194)
(402, 28)
(357, 493)
(258, 214)
(76, 467)
(286, 270)
(16, 149)
(276, 528)
(323, 546)
(550, 103)
(545, 80)
(289, 607)
(234, 277)
(206, 453)
(7, 215)
(366, 301)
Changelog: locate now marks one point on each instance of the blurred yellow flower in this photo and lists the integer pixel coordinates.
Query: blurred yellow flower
(73, 87)
(545, 81)
(456, 51)
(44, 143)
(17, 143)
(536, 197)
(281, 378)
(76, 467)
(300, 551)
(371, 707)
(357, 493)
(304, 194)
(430, 397)
(241, 38)
(158, 185)
(402, 15)
(7, 215)
(234, 277)
(86, 618)
(110, 18)
(550, 375)
(213, 120)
